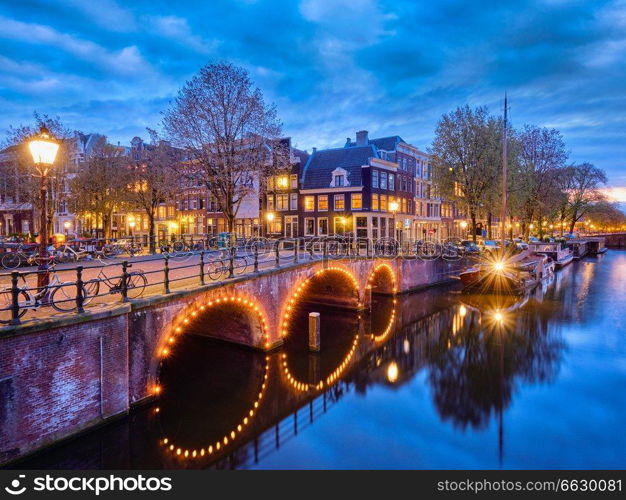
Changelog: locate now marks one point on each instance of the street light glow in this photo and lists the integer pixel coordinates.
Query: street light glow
(43, 148)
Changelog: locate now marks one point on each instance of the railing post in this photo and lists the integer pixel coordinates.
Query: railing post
(231, 262)
(277, 256)
(295, 250)
(80, 290)
(325, 250)
(310, 250)
(15, 295)
(202, 267)
(166, 274)
(125, 281)
(256, 258)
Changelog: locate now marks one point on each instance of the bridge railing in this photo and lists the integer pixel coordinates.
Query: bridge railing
(67, 288)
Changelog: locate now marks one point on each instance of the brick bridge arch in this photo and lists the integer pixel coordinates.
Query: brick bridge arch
(269, 291)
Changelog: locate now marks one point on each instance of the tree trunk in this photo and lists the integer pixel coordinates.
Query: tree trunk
(151, 235)
(473, 217)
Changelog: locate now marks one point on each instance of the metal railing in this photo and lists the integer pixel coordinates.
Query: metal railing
(73, 289)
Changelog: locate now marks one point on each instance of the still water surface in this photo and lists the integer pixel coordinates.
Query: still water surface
(433, 380)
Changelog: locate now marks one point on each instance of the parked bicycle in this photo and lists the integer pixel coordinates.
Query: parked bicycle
(135, 285)
(60, 295)
(220, 266)
(13, 260)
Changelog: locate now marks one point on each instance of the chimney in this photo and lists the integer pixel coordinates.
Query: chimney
(361, 138)
(314, 150)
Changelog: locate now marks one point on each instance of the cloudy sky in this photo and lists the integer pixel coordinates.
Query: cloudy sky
(332, 67)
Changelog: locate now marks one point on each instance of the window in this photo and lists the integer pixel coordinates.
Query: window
(391, 182)
(161, 212)
(322, 202)
(374, 178)
(322, 226)
(403, 205)
(383, 202)
(309, 203)
(374, 202)
(282, 201)
(339, 180)
(357, 201)
(293, 179)
(309, 226)
(361, 227)
(282, 182)
(270, 202)
(340, 202)
(293, 201)
(383, 180)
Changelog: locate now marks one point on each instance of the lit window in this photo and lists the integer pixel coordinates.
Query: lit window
(383, 202)
(309, 203)
(282, 182)
(282, 202)
(340, 203)
(357, 201)
(270, 202)
(374, 202)
(322, 202)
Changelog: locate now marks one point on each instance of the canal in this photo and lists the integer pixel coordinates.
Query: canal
(435, 379)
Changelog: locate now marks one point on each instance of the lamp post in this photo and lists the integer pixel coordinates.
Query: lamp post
(66, 225)
(131, 226)
(463, 226)
(43, 149)
(393, 208)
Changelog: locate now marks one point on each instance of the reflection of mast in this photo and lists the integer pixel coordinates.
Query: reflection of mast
(501, 403)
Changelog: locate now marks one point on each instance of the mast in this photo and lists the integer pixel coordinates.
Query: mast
(504, 177)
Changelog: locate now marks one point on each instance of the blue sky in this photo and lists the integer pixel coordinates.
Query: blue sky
(331, 67)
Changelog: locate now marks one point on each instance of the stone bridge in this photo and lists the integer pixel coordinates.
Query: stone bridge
(63, 375)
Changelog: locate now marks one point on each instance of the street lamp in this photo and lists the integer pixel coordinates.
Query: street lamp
(131, 225)
(43, 149)
(393, 208)
(66, 225)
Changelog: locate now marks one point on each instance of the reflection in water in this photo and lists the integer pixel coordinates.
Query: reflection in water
(454, 366)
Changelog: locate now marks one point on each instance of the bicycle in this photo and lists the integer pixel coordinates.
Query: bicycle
(13, 260)
(61, 295)
(221, 266)
(135, 285)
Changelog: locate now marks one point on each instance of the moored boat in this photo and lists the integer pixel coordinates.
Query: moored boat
(561, 255)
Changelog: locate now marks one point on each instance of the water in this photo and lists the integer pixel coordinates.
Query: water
(455, 382)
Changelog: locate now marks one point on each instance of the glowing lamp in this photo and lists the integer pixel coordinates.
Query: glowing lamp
(392, 372)
(463, 224)
(269, 216)
(393, 206)
(43, 148)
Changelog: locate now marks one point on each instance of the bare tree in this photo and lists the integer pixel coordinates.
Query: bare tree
(101, 186)
(153, 180)
(227, 131)
(465, 159)
(584, 190)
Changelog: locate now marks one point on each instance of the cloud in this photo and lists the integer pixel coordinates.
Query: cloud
(390, 66)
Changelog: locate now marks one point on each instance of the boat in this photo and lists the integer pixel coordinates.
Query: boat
(514, 275)
(562, 256)
(596, 246)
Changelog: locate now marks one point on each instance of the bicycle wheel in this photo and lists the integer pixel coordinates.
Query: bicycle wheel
(215, 269)
(11, 260)
(240, 264)
(91, 289)
(6, 302)
(178, 246)
(63, 297)
(137, 283)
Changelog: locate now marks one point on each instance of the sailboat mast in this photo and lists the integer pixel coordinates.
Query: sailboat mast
(504, 176)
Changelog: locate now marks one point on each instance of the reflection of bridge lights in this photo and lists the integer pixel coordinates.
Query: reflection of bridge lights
(328, 381)
(284, 326)
(387, 331)
(406, 346)
(229, 437)
(392, 372)
(462, 311)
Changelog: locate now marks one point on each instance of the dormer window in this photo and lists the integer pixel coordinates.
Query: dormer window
(339, 178)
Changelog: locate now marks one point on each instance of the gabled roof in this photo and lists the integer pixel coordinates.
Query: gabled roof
(317, 172)
(387, 143)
